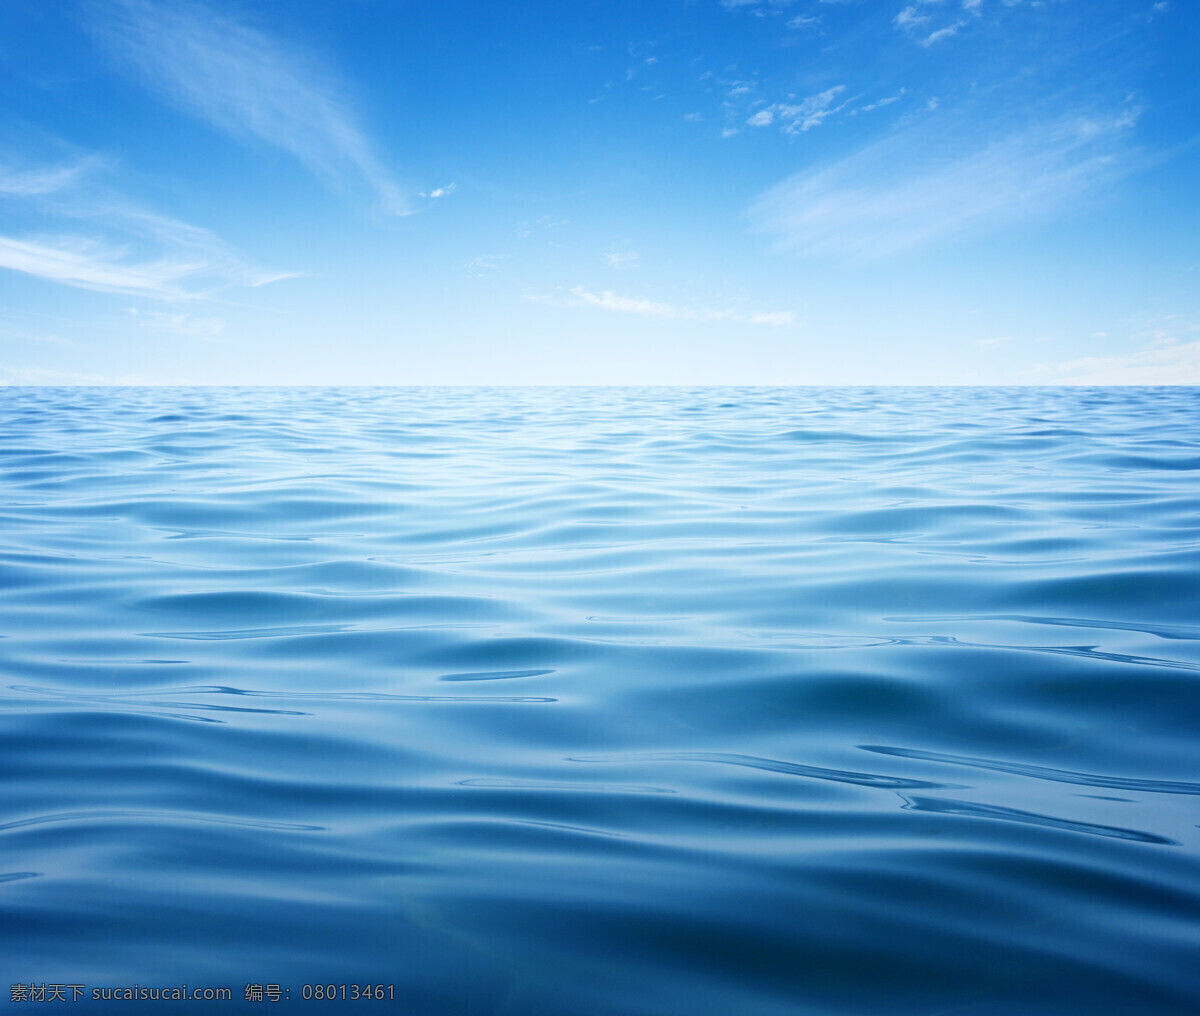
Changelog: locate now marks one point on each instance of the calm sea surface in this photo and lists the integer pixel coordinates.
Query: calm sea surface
(587, 702)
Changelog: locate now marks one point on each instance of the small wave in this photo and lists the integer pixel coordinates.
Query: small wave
(495, 675)
(1165, 631)
(1041, 772)
(942, 806)
(598, 788)
(772, 765)
(124, 815)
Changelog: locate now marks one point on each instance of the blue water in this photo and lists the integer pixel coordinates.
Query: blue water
(579, 702)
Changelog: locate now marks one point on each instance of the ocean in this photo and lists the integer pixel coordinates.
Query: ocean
(600, 701)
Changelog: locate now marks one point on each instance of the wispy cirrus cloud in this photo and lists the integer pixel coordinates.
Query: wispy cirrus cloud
(944, 177)
(183, 269)
(607, 300)
(879, 103)
(89, 237)
(942, 33)
(33, 181)
(88, 264)
(249, 85)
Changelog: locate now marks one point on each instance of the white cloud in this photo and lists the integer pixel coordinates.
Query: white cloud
(939, 179)
(442, 192)
(1162, 362)
(880, 103)
(810, 112)
(248, 85)
(92, 238)
(909, 18)
(797, 117)
(261, 278)
(942, 33)
(608, 300)
(915, 21)
(40, 180)
(546, 223)
(622, 259)
(758, 7)
(37, 338)
(182, 324)
(783, 317)
(625, 304)
(791, 116)
(88, 264)
(482, 264)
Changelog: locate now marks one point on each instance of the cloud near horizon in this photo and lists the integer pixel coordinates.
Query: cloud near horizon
(12, 375)
(247, 85)
(1164, 360)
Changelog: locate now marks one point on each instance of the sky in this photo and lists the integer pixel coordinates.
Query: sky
(543, 192)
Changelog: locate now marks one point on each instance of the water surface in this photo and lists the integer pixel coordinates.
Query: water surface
(777, 702)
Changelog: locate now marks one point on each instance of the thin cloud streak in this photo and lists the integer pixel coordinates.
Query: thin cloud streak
(181, 324)
(248, 85)
(28, 183)
(126, 249)
(898, 194)
(13, 376)
(608, 300)
(211, 255)
(86, 264)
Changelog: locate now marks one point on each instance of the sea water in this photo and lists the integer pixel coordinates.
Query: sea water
(597, 701)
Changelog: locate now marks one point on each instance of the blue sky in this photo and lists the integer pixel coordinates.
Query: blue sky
(666, 192)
